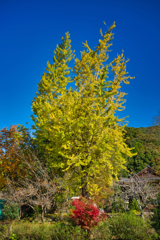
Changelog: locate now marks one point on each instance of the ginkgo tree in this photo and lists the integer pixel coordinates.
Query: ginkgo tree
(77, 127)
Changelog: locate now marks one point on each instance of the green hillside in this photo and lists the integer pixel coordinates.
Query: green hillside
(146, 143)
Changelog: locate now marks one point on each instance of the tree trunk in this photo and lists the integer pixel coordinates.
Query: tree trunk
(130, 200)
(10, 229)
(142, 215)
(84, 185)
(20, 213)
(42, 214)
(84, 191)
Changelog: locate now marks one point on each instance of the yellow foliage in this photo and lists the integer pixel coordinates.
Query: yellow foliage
(78, 127)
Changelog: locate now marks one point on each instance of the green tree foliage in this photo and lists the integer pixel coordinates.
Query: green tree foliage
(146, 143)
(10, 211)
(77, 127)
(133, 205)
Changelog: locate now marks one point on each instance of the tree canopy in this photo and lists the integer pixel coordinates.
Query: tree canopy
(13, 151)
(77, 127)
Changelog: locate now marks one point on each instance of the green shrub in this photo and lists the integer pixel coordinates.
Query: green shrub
(124, 226)
(101, 232)
(66, 232)
(27, 231)
(59, 231)
(10, 211)
(128, 226)
(133, 205)
(56, 231)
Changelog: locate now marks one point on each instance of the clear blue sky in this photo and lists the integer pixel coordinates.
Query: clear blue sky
(30, 31)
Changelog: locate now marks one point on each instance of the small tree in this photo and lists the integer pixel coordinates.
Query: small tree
(10, 212)
(37, 189)
(14, 146)
(33, 185)
(140, 189)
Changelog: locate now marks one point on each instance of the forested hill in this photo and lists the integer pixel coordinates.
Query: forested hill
(146, 142)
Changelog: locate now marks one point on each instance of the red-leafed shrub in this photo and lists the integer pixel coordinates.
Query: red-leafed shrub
(86, 214)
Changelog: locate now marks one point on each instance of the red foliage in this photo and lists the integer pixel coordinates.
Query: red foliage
(86, 214)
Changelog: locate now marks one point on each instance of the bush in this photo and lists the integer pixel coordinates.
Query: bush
(56, 231)
(121, 226)
(101, 232)
(86, 214)
(10, 211)
(128, 226)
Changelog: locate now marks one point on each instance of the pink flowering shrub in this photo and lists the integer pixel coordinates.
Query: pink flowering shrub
(86, 214)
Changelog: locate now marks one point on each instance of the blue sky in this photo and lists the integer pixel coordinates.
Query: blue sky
(30, 31)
